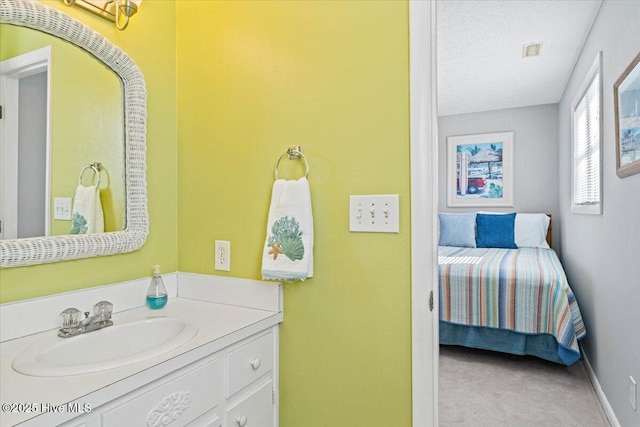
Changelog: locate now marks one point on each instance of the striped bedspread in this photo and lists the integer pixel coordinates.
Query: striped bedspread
(522, 290)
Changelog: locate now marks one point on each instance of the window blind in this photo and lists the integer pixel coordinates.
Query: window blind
(586, 146)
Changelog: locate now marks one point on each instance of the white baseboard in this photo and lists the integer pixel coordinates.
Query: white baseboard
(608, 410)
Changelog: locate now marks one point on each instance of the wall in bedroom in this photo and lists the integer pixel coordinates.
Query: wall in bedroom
(535, 153)
(600, 252)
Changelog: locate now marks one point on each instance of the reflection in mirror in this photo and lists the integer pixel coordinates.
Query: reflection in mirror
(133, 108)
(62, 112)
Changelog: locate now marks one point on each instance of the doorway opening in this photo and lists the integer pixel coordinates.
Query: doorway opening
(25, 145)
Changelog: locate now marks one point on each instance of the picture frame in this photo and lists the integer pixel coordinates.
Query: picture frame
(626, 98)
(489, 170)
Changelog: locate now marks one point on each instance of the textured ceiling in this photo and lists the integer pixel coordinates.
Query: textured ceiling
(479, 45)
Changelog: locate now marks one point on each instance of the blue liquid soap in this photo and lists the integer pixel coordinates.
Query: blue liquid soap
(157, 294)
(157, 302)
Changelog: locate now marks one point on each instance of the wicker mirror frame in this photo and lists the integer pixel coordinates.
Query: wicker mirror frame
(40, 250)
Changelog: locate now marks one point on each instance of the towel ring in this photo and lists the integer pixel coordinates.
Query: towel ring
(96, 167)
(294, 152)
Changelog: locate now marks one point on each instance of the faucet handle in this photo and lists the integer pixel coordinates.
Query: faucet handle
(104, 308)
(70, 318)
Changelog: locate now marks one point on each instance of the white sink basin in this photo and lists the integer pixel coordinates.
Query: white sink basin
(107, 348)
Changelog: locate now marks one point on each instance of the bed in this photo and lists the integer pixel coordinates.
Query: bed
(513, 299)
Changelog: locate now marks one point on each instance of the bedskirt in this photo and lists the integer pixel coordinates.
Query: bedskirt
(543, 346)
(512, 300)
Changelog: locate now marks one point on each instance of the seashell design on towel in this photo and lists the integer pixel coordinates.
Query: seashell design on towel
(286, 238)
(79, 224)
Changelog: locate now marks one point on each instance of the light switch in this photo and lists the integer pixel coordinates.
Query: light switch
(62, 208)
(374, 214)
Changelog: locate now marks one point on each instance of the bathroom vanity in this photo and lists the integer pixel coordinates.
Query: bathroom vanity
(226, 375)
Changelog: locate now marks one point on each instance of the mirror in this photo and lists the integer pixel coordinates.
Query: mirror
(38, 250)
(69, 115)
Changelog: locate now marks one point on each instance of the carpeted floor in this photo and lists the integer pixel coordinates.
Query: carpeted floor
(482, 388)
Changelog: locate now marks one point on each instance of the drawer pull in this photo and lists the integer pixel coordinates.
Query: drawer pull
(241, 420)
(255, 363)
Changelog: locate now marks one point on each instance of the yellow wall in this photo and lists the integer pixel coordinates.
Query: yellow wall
(86, 122)
(254, 78)
(150, 41)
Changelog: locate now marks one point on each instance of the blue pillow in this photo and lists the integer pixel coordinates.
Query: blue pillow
(496, 231)
(458, 230)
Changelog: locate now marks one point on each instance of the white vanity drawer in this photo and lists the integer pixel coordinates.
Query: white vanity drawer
(179, 400)
(247, 363)
(255, 410)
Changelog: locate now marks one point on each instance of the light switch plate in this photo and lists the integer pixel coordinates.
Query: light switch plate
(62, 208)
(374, 214)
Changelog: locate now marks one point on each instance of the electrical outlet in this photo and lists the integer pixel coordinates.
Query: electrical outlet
(633, 392)
(62, 208)
(223, 255)
(376, 214)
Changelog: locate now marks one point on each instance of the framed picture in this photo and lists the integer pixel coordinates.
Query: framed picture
(626, 98)
(480, 170)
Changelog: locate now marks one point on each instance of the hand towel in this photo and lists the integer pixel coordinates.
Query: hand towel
(288, 249)
(87, 216)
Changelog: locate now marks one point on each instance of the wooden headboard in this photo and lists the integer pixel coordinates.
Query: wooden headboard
(549, 231)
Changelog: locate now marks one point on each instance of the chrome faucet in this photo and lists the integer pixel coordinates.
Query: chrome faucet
(72, 325)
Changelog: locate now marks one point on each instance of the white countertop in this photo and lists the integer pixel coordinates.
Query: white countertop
(219, 325)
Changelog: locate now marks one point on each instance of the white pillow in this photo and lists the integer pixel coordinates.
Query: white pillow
(531, 230)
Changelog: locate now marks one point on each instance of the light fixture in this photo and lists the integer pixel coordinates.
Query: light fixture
(118, 11)
(531, 49)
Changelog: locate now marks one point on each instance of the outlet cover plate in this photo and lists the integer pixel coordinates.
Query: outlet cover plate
(223, 255)
(633, 393)
(374, 214)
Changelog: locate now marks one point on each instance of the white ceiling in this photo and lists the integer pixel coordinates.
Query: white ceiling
(479, 48)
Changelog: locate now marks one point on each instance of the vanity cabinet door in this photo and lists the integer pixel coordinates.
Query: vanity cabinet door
(188, 394)
(87, 420)
(254, 410)
(207, 420)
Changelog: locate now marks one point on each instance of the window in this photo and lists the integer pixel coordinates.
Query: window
(587, 144)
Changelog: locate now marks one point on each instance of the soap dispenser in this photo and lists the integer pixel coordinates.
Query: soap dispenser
(157, 294)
